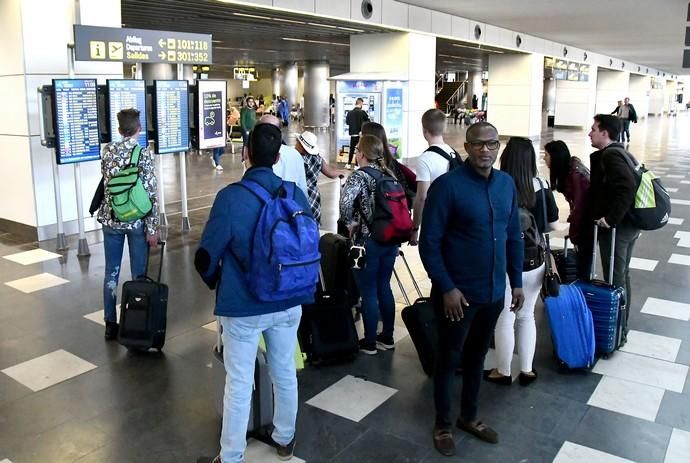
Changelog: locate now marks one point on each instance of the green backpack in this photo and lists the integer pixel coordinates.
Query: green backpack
(129, 199)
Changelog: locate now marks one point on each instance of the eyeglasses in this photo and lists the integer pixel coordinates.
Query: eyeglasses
(490, 144)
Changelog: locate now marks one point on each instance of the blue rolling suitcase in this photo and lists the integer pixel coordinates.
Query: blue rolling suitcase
(606, 302)
(572, 329)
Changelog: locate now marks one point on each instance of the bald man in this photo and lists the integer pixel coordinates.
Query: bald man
(290, 165)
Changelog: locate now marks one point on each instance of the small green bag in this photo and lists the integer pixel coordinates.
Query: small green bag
(129, 199)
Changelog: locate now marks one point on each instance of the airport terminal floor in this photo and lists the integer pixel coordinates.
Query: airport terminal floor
(66, 395)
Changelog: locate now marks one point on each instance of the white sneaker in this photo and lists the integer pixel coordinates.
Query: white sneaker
(213, 163)
(219, 167)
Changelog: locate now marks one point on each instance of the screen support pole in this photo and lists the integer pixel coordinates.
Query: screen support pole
(83, 248)
(61, 244)
(186, 226)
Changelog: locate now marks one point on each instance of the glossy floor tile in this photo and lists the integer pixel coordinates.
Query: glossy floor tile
(48, 370)
(652, 345)
(97, 316)
(352, 398)
(679, 447)
(574, 453)
(258, 452)
(680, 202)
(666, 308)
(36, 282)
(644, 370)
(643, 264)
(32, 257)
(627, 397)
(675, 221)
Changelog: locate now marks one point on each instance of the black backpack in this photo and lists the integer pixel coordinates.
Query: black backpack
(535, 246)
(453, 158)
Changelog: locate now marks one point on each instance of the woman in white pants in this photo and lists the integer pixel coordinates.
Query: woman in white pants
(519, 160)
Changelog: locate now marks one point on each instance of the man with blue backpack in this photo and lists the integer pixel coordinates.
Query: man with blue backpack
(259, 250)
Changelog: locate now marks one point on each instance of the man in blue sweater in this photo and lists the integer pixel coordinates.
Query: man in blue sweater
(471, 237)
(222, 258)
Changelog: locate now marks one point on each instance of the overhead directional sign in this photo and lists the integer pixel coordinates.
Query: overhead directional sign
(92, 43)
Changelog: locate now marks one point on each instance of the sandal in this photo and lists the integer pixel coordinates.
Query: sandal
(478, 429)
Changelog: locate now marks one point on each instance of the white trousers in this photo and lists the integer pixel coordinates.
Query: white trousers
(526, 328)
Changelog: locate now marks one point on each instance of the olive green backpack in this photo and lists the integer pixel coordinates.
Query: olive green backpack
(129, 199)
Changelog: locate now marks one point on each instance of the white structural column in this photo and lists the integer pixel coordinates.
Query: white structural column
(277, 80)
(474, 87)
(410, 57)
(316, 88)
(290, 84)
(575, 101)
(31, 59)
(639, 94)
(516, 86)
(611, 87)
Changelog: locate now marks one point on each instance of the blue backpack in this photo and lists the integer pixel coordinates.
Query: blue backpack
(285, 253)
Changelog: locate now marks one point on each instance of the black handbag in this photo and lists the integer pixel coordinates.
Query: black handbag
(551, 286)
(97, 199)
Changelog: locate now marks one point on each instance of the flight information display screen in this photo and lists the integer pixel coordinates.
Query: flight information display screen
(125, 94)
(211, 117)
(75, 112)
(172, 115)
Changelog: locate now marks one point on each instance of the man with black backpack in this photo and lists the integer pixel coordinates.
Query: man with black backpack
(129, 177)
(438, 159)
(612, 196)
(260, 251)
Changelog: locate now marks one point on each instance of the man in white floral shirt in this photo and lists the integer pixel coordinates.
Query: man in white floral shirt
(140, 233)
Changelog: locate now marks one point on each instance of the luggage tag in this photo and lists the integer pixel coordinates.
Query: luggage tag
(357, 256)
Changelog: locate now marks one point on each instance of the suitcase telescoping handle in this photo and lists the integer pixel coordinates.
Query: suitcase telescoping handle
(414, 281)
(592, 274)
(565, 245)
(160, 263)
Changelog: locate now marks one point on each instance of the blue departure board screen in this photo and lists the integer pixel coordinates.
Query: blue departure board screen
(75, 112)
(125, 94)
(172, 116)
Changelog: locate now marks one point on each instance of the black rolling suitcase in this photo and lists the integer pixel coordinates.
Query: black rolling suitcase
(337, 274)
(566, 263)
(144, 309)
(420, 321)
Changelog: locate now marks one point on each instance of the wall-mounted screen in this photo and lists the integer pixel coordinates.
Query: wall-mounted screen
(75, 114)
(211, 96)
(125, 94)
(171, 115)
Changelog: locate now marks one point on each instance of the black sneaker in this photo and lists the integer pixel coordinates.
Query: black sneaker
(385, 342)
(111, 329)
(368, 348)
(285, 452)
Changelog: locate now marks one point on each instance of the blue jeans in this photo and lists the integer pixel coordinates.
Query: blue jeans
(374, 284)
(217, 153)
(241, 341)
(114, 243)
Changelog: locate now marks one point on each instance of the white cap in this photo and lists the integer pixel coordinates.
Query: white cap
(309, 142)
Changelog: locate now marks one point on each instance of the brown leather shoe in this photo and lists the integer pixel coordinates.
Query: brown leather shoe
(479, 430)
(443, 442)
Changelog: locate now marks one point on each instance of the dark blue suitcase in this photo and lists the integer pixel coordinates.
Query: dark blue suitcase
(572, 329)
(607, 304)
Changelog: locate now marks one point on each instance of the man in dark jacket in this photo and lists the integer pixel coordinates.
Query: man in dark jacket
(612, 195)
(627, 114)
(354, 120)
(470, 239)
(223, 256)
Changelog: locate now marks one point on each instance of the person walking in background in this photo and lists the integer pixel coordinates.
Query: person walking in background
(314, 164)
(283, 110)
(374, 280)
(354, 120)
(222, 260)
(520, 162)
(403, 174)
(570, 177)
(215, 160)
(139, 233)
(247, 118)
(612, 195)
(471, 238)
(627, 114)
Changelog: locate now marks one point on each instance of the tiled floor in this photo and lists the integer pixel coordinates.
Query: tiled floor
(67, 396)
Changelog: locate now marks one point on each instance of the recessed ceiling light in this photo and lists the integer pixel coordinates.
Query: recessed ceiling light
(351, 29)
(290, 39)
(329, 26)
(477, 48)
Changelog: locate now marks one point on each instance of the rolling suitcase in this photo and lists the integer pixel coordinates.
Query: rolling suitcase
(606, 302)
(566, 263)
(338, 277)
(144, 310)
(572, 329)
(420, 321)
(327, 330)
(261, 412)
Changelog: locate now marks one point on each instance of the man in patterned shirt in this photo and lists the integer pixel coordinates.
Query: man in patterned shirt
(139, 233)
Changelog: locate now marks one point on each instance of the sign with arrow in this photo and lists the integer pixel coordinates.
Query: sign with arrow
(92, 43)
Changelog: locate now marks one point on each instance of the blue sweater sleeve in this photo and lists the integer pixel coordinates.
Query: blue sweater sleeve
(215, 239)
(515, 248)
(434, 225)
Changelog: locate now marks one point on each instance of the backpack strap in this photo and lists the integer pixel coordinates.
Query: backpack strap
(438, 150)
(136, 154)
(256, 189)
(371, 171)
